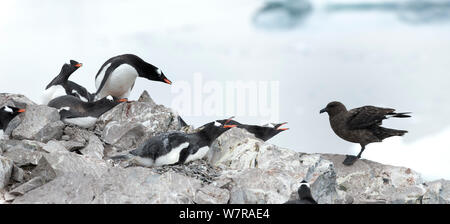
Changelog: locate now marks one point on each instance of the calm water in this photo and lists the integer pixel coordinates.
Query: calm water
(358, 56)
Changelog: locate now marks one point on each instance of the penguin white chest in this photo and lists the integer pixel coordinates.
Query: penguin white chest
(52, 93)
(119, 82)
(84, 122)
(171, 157)
(198, 155)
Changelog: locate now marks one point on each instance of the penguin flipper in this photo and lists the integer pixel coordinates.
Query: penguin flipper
(105, 77)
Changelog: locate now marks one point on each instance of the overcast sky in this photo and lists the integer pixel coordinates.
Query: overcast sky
(357, 57)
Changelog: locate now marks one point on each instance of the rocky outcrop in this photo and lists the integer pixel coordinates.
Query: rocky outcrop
(71, 165)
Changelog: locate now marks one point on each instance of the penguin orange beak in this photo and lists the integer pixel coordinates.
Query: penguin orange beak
(123, 100)
(230, 126)
(21, 110)
(282, 129)
(168, 81)
(78, 65)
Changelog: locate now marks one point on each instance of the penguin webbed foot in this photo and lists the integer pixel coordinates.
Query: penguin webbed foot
(350, 160)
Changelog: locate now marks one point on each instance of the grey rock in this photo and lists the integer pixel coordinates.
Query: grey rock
(263, 173)
(6, 169)
(145, 98)
(438, 192)
(126, 136)
(39, 123)
(53, 130)
(18, 174)
(73, 145)
(15, 100)
(371, 182)
(54, 146)
(66, 189)
(22, 152)
(72, 163)
(13, 124)
(40, 175)
(94, 148)
(211, 195)
(129, 124)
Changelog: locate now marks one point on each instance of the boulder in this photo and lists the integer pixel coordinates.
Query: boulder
(6, 169)
(438, 192)
(39, 123)
(129, 124)
(370, 182)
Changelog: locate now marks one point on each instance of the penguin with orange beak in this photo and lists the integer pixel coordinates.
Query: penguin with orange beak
(61, 86)
(262, 132)
(7, 113)
(118, 74)
(176, 148)
(83, 114)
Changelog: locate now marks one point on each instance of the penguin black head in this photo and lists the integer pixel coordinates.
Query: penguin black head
(214, 129)
(262, 132)
(147, 70)
(7, 113)
(75, 64)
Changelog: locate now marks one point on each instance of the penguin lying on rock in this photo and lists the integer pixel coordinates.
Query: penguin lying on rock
(262, 132)
(83, 114)
(176, 148)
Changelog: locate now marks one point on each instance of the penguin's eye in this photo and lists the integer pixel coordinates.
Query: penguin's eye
(159, 72)
(110, 98)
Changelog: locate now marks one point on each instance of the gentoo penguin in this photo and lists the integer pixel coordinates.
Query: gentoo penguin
(61, 86)
(83, 114)
(304, 193)
(117, 75)
(361, 125)
(262, 132)
(175, 148)
(7, 113)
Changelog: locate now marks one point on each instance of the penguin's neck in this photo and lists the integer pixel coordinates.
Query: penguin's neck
(205, 138)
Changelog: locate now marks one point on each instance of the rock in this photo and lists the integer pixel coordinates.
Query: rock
(94, 148)
(129, 124)
(72, 163)
(22, 152)
(126, 136)
(40, 175)
(53, 130)
(236, 149)
(15, 100)
(145, 98)
(66, 189)
(39, 123)
(72, 146)
(55, 146)
(211, 195)
(142, 186)
(371, 182)
(6, 169)
(17, 174)
(259, 172)
(438, 192)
